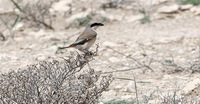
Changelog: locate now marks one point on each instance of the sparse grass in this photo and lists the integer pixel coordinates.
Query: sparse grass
(194, 2)
(37, 13)
(170, 98)
(7, 24)
(174, 98)
(138, 99)
(84, 20)
(146, 17)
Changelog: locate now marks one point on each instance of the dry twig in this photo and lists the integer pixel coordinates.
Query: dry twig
(139, 64)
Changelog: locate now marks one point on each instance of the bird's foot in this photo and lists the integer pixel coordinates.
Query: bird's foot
(88, 53)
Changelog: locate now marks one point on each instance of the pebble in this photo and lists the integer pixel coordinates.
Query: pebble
(191, 86)
(118, 87)
(61, 6)
(186, 7)
(40, 58)
(169, 9)
(195, 10)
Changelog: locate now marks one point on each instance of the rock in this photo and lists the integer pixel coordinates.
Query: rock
(114, 59)
(195, 10)
(162, 1)
(113, 17)
(118, 87)
(61, 6)
(41, 58)
(186, 7)
(130, 87)
(192, 87)
(157, 2)
(169, 9)
(18, 26)
(157, 16)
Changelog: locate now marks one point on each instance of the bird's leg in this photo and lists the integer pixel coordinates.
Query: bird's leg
(87, 52)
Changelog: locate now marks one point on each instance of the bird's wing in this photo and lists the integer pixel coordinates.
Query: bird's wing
(83, 40)
(87, 34)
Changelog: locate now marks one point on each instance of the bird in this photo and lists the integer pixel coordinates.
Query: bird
(86, 39)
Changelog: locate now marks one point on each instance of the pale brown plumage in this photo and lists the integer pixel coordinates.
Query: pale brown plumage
(86, 39)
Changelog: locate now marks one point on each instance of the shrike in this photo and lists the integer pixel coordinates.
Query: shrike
(86, 38)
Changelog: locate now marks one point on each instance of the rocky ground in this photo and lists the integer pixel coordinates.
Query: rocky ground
(167, 48)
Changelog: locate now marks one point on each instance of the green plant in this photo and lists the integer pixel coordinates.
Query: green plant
(84, 20)
(194, 2)
(146, 17)
(120, 102)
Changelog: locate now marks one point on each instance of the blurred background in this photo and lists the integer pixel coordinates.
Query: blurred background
(150, 46)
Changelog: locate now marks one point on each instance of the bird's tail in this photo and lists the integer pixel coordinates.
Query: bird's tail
(65, 47)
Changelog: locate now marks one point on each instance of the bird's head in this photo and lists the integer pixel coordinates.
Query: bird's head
(95, 25)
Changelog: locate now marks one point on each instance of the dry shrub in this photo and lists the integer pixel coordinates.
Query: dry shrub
(37, 13)
(173, 98)
(56, 82)
(32, 14)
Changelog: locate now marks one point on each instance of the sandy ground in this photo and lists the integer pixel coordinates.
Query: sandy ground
(165, 39)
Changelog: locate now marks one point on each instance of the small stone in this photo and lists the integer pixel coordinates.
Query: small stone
(100, 103)
(61, 6)
(118, 87)
(114, 17)
(158, 16)
(18, 26)
(157, 2)
(191, 86)
(195, 10)
(40, 58)
(186, 7)
(130, 87)
(169, 9)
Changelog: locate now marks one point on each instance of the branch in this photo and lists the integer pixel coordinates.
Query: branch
(140, 64)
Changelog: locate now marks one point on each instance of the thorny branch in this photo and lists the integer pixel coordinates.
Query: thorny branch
(139, 64)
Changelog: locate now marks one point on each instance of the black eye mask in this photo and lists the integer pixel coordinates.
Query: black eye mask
(96, 24)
